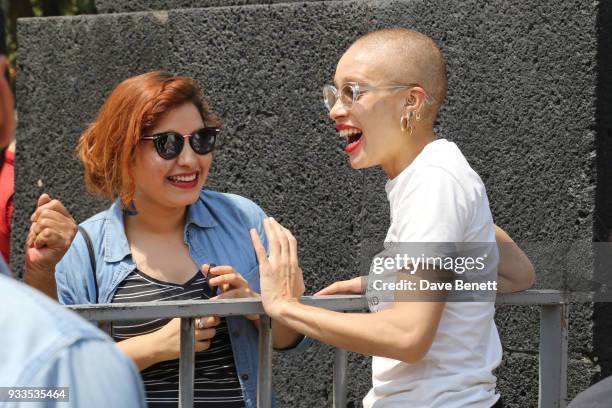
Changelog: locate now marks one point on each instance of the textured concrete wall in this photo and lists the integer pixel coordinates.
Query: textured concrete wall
(521, 106)
(122, 6)
(602, 320)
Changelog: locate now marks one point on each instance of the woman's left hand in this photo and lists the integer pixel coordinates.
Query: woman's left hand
(231, 284)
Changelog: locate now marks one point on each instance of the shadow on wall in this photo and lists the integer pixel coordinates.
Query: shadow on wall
(602, 314)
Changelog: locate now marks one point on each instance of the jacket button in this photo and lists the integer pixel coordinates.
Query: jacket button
(236, 333)
(245, 377)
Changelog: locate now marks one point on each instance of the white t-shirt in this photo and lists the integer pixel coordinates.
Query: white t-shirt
(439, 198)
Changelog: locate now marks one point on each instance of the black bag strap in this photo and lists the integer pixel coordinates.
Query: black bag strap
(92, 259)
(2, 156)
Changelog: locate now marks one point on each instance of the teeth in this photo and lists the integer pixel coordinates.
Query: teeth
(349, 132)
(183, 178)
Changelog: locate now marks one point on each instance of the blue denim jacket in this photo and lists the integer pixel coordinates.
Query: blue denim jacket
(216, 231)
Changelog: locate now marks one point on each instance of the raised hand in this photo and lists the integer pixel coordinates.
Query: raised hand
(51, 233)
(280, 275)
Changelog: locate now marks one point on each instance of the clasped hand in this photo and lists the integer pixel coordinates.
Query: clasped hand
(231, 284)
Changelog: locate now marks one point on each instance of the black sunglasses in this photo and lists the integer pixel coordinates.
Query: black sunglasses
(170, 144)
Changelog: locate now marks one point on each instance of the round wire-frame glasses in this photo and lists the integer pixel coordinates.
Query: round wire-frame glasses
(351, 91)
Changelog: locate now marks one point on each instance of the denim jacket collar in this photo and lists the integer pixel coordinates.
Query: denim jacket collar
(199, 214)
(116, 246)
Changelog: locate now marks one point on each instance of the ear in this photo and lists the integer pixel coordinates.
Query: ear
(410, 101)
(415, 99)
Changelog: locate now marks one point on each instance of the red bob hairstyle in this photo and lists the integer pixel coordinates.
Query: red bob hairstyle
(135, 105)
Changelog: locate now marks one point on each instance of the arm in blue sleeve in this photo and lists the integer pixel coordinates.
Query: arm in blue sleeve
(98, 375)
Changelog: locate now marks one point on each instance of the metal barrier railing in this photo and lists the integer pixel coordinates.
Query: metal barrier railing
(553, 337)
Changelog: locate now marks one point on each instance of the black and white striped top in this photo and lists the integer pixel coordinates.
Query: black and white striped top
(216, 380)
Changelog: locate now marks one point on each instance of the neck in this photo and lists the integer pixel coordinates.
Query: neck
(406, 154)
(156, 219)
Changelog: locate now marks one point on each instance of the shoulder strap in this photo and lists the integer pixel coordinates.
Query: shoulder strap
(92, 259)
(2, 156)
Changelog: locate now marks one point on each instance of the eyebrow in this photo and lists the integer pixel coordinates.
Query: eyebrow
(180, 133)
(352, 79)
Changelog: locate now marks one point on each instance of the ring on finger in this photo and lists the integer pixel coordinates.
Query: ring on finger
(199, 323)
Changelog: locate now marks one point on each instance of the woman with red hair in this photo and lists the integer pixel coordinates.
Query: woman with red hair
(150, 149)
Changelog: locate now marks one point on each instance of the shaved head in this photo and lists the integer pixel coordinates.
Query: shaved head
(407, 56)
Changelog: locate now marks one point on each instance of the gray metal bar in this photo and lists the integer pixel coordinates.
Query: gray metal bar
(340, 366)
(264, 370)
(237, 307)
(187, 363)
(195, 308)
(532, 297)
(553, 356)
(553, 336)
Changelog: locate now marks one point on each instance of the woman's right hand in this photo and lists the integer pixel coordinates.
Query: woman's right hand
(51, 233)
(166, 341)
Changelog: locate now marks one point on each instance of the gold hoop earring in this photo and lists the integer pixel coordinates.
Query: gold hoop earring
(405, 121)
(418, 116)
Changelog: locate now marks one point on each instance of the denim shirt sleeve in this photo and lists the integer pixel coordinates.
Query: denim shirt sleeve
(4, 270)
(254, 219)
(73, 274)
(94, 382)
(45, 345)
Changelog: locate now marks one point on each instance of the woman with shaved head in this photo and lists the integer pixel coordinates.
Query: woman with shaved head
(428, 351)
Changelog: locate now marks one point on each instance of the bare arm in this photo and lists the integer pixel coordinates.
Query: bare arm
(403, 332)
(164, 344)
(515, 271)
(141, 349)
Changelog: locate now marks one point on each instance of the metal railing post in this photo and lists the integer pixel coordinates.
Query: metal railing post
(553, 337)
(187, 363)
(553, 356)
(264, 372)
(106, 327)
(340, 365)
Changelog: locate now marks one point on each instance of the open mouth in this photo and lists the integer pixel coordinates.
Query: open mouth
(353, 138)
(186, 180)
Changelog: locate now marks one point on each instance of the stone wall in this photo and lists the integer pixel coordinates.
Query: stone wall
(522, 106)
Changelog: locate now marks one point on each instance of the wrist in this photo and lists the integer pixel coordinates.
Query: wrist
(37, 271)
(152, 348)
(41, 279)
(281, 308)
(140, 350)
